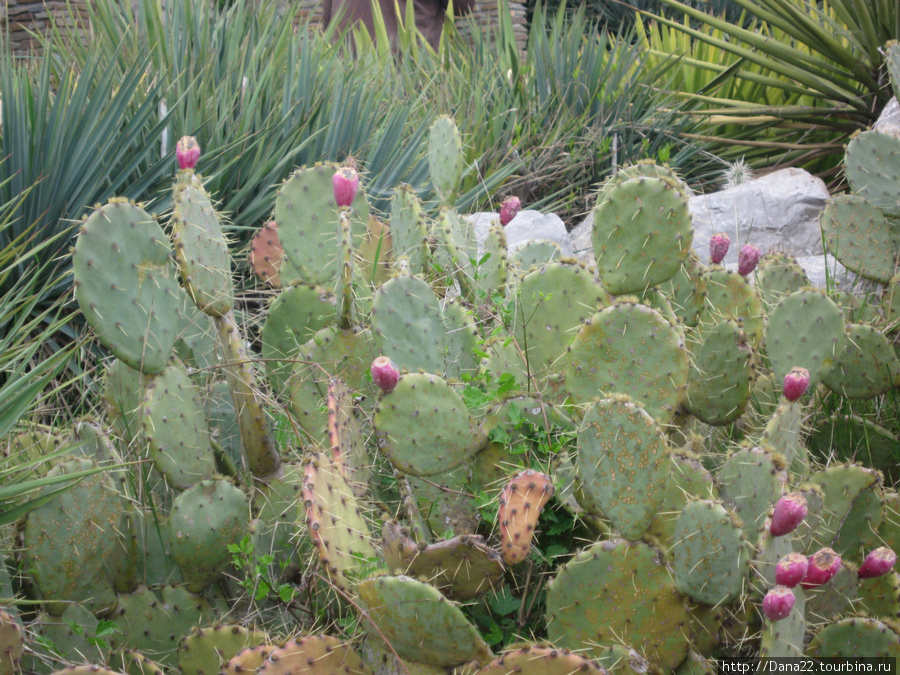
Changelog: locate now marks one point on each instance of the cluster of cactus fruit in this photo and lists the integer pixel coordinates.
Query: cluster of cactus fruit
(682, 392)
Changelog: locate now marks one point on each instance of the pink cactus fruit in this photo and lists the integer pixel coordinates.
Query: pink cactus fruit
(718, 247)
(385, 374)
(795, 383)
(345, 184)
(748, 258)
(778, 603)
(509, 209)
(791, 569)
(187, 152)
(823, 565)
(878, 562)
(789, 512)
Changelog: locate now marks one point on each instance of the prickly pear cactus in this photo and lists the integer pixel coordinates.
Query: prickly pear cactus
(419, 623)
(125, 284)
(614, 592)
(624, 463)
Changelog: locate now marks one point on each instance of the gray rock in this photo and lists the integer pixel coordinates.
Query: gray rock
(889, 120)
(581, 240)
(527, 226)
(778, 212)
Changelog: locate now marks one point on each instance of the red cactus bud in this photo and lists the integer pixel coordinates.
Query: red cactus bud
(823, 565)
(345, 184)
(718, 247)
(187, 152)
(795, 383)
(878, 562)
(509, 209)
(748, 259)
(385, 374)
(778, 603)
(791, 569)
(788, 514)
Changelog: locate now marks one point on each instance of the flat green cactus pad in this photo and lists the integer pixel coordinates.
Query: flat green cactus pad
(336, 522)
(332, 352)
(535, 254)
(73, 636)
(805, 329)
(751, 483)
(629, 349)
(420, 623)
(306, 216)
(445, 158)
(552, 301)
(205, 520)
(618, 592)
(176, 428)
(294, 317)
(409, 229)
(75, 546)
(867, 365)
(201, 250)
(207, 649)
(153, 624)
(880, 597)
(423, 426)
(873, 170)
(624, 463)
(686, 290)
(722, 373)
(784, 638)
(125, 284)
(852, 509)
(731, 296)
(12, 643)
(778, 275)
(859, 235)
(892, 60)
(642, 234)
(854, 637)
(688, 480)
(711, 557)
(783, 434)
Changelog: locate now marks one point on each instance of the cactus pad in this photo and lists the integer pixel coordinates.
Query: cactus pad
(336, 522)
(784, 638)
(419, 623)
(125, 284)
(730, 296)
(12, 644)
(205, 520)
(721, 376)
(201, 250)
(618, 592)
(423, 426)
(642, 234)
(859, 235)
(75, 546)
(751, 482)
(541, 661)
(463, 567)
(855, 637)
(176, 428)
(306, 216)
(805, 329)
(552, 301)
(408, 229)
(445, 158)
(852, 509)
(686, 290)
(521, 503)
(778, 275)
(266, 254)
(688, 480)
(711, 557)
(871, 165)
(624, 463)
(629, 349)
(207, 649)
(866, 367)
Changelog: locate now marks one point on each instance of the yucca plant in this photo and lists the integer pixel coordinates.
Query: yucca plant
(30, 368)
(821, 59)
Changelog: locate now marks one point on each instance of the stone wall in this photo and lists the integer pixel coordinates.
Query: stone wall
(23, 17)
(486, 15)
